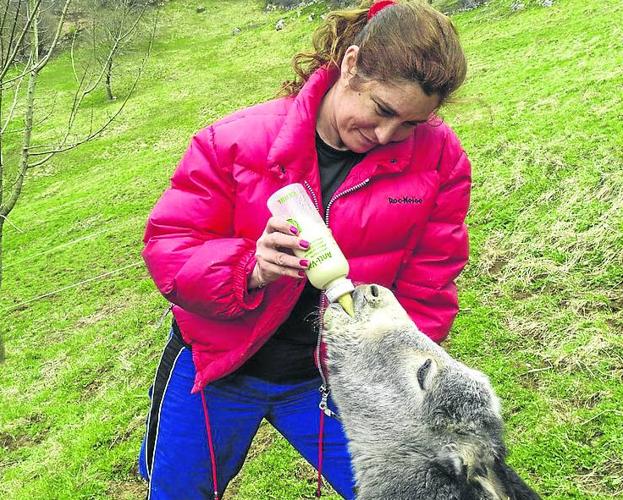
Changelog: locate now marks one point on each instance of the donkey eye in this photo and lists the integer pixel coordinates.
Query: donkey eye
(422, 371)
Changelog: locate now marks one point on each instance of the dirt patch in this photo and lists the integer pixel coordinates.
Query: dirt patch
(605, 480)
(10, 442)
(105, 312)
(20, 438)
(497, 265)
(129, 489)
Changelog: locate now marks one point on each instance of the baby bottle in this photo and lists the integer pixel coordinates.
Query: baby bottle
(328, 267)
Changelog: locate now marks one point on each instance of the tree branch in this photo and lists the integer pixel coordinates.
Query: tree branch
(2, 23)
(36, 124)
(62, 147)
(12, 36)
(6, 219)
(1, 173)
(5, 209)
(14, 104)
(31, 16)
(59, 27)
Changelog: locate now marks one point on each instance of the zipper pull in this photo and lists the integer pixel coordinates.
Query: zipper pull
(324, 405)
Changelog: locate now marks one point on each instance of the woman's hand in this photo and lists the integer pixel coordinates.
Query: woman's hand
(274, 254)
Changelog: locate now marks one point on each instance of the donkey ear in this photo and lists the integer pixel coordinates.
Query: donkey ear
(451, 461)
(449, 457)
(515, 487)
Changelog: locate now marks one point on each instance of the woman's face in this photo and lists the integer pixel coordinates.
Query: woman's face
(372, 113)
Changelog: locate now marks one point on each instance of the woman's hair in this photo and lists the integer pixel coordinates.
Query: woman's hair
(409, 41)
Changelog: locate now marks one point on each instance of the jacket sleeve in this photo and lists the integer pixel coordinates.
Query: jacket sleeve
(425, 284)
(190, 250)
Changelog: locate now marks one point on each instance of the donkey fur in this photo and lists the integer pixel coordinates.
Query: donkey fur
(420, 424)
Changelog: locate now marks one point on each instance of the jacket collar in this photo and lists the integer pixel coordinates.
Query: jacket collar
(294, 148)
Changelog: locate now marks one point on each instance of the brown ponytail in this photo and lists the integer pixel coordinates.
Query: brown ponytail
(410, 41)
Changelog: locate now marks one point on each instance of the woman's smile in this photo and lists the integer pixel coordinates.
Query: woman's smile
(368, 143)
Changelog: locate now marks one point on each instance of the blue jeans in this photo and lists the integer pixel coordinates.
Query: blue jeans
(175, 456)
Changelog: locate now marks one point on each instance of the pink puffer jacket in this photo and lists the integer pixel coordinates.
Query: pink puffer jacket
(398, 217)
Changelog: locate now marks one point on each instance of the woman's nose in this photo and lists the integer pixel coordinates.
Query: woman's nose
(385, 133)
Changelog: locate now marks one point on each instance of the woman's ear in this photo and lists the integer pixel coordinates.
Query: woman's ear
(349, 63)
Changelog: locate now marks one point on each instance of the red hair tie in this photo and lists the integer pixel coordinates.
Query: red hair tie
(379, 6)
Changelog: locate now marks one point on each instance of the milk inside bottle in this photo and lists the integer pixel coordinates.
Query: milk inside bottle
(328, 268)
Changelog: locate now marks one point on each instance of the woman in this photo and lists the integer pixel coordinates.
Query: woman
(358, 129)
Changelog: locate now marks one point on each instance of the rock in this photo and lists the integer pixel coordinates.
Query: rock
(199, 10)
(454, 6)
(517, 6)
(547, 3)
(236, 31)
(280, 25)
(472, 4)
(284, 4)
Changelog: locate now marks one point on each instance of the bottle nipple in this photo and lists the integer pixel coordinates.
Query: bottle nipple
(340, 291)
(346, 301)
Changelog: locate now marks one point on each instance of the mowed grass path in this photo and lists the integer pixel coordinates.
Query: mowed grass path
(541, 120)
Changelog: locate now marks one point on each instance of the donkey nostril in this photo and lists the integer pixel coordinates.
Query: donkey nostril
(374, 290)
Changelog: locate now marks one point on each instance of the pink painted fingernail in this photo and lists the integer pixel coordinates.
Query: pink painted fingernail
(304, 263)
(302, 274)
(304, 244)
(293, 230)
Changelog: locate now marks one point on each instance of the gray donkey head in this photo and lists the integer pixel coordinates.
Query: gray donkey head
(420, 424)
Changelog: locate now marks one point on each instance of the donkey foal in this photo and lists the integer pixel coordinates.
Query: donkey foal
(420, 424)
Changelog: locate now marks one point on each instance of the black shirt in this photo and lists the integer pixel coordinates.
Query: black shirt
(335, 165)
(288, 356)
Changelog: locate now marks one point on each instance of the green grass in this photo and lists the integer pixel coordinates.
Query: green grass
(541, 119)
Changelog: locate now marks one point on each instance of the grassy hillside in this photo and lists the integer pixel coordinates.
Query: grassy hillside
(541, 118)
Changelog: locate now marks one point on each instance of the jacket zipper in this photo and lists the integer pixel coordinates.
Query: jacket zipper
(339, 195)
(324, 388)
(313, 195)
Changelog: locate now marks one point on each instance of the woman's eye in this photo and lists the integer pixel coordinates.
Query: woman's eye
(383, 112)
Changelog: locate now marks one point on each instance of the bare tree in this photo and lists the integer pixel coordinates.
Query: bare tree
(112, 25)
(22, 59)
